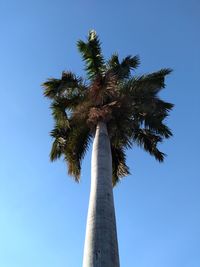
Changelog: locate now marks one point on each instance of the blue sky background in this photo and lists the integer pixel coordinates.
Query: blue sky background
(42, 211)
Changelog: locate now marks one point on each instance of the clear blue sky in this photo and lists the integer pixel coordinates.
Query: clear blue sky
(42, 211)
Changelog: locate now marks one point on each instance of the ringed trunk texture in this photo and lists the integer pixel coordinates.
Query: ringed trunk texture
(101, 246)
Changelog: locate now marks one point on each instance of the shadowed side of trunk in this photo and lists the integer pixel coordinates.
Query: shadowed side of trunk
(101, 247)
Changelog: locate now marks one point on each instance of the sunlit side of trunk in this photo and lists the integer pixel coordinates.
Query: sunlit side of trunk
(101, 246)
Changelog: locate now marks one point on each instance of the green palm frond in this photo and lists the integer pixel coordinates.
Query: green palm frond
(92, 55)
(122, 70)
(155, 123)
(77, 144)
(120, 132)
(60, 132)
(152, 82)
(57, 148)
(148, 140)
(60, 136)
(59, 114)
(128, 63)
(145, 86)
(119, 167)
(67, 87)
(113, 62)
(151, 112)
(70, 85)
(51, 87)
(71, 143)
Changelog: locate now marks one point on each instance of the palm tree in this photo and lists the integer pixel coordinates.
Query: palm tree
(119, 110)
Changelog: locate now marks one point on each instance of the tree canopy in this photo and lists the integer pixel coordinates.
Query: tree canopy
(111, 92)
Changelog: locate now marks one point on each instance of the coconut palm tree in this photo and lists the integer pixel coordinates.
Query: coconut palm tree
(116, 110)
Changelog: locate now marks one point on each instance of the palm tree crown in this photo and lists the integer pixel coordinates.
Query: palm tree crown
(128, 104)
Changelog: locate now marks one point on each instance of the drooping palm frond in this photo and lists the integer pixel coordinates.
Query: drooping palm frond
(92, 55)
(60, 136)
(59, 114)
(71, 143)
(78, 143)
(57, 148)
(158, 127)
(120, 132)
(119, 167)
(148, 140)
(151, 113)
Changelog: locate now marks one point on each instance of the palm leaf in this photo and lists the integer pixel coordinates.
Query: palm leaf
(122, 70)
(60, 136)
(51, 87)
(77, 145)
(119, 167)
(145, 86)
(68, 87)
(57, 148)
(148, 141)
(92, 55)
(71, 143)
(59, 114)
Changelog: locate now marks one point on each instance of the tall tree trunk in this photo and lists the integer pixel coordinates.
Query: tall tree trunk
(101, 247)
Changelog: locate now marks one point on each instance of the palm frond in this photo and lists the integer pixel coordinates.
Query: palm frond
(92, 55)
(122, 70)
(71, 143)
(51, 87)
(57, 148)
(60, 136)
(129, 63)
(59, 114)
(148, 140)
(120, 132)
(113, 62)
(157, 126)
(77, 145)
(150, 113)
(68, 87)
(145, 86)
(119, 167)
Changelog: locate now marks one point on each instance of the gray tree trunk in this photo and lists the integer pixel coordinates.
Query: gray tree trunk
(101, 247)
